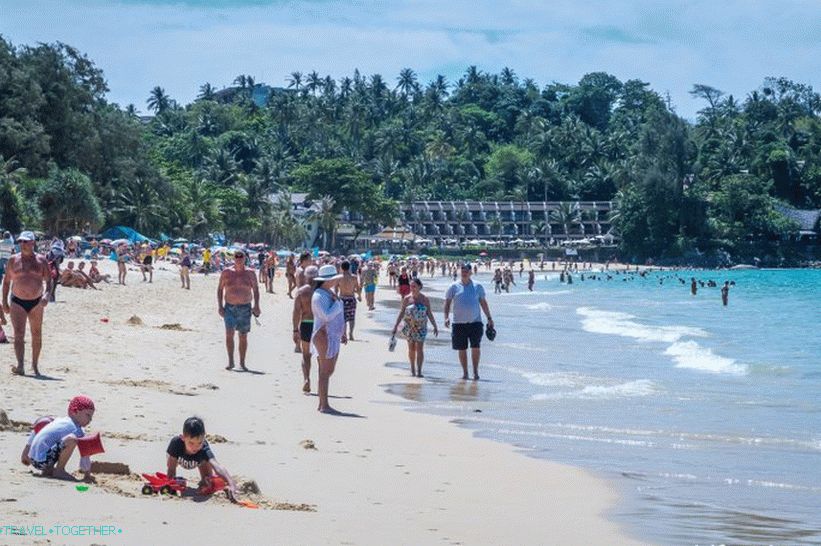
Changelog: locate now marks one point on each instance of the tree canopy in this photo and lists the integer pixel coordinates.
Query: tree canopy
(367, 142)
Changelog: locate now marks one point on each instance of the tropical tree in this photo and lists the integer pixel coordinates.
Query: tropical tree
(67, 203)
(158, 101)
(11, 212)
(325, 215)
(567, 214)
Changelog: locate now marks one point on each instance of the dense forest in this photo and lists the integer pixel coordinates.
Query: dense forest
(71, 161)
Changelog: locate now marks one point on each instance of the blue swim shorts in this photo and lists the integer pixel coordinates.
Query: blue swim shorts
(238, 317)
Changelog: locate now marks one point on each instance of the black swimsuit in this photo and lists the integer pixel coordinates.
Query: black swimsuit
(27, 305)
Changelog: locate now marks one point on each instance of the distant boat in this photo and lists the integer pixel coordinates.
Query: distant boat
(744, 266)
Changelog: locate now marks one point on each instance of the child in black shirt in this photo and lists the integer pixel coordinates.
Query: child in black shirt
(191, 450)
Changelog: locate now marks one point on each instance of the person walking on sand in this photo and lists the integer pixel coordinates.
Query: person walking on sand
(349, 290)
(237, 287)
(122, 257)
(290, 274)
(369, 277)
(416, 312)
(185, 270)
(328, 332)
(303, 323)
(468, 301)
(26, 275)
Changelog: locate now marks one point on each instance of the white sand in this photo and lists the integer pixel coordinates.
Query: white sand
(390, 477)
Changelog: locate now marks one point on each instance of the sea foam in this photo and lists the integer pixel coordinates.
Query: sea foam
(686, 353)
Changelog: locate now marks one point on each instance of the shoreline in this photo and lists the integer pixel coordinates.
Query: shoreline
(389, 476)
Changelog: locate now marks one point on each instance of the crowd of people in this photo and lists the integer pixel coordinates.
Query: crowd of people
(326, 292)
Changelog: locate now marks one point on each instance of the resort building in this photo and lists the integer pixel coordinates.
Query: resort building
(536, 222)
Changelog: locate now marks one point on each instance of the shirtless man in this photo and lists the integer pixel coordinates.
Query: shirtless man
(304, 261)
(237, 286)
(349, 291)
(290, 275)
(368, 276)
(26, 274)
(303, 322)
(299, 276)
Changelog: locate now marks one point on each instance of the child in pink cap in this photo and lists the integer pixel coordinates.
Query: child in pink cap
(50, 448)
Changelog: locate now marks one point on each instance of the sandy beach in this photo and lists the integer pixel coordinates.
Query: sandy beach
(151, 355)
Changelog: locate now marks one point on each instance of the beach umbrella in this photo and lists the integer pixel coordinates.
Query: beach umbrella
(175, 251)
(105, 242)
(75, 238)
(284, 253)
(119, 242)
(483, 253)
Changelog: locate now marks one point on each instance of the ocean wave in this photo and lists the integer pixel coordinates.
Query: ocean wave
(689, 354)
(536, 293)
(686, 353)
(621, 324)
(631, 389)
(557, 379)
(523, 347)
(543, 306)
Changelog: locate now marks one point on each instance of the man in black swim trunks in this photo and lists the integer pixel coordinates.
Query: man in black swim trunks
(26, 275)
(303, 322)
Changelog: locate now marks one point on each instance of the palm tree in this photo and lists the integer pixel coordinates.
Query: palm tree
(508, 76)
(295, 81)
(567, 215)
(207, 92)
(496, 225)
(131, 111)
(407, 82)
(204, 207)
(10, 175)
(325, 215)
(139, 205)
(314, 82)
(158, 101)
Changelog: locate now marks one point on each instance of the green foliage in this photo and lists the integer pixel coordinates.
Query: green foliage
(365, 142)
(68, 204)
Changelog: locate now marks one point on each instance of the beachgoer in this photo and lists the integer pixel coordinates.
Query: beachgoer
(403, 283)
(238, 286)
(185, 270)
(348, 290)
(26, 273)
(122, 258)
(416, 313)
(725, 293)
(531, 280)
(191, 450)
(271, 263)
(51, 448)
(290, 274)
(693, 286)
(369, 277)
(304, 261)
(147, 264)
(206, 260)
(468, 300)
(303, 322)
(96, 276)
(329, 330)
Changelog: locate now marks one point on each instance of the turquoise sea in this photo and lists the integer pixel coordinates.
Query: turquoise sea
(707, 418)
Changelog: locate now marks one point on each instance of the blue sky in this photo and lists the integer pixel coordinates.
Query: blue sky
(179, 44)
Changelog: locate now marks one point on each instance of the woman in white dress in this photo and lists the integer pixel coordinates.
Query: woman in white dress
(329, 330)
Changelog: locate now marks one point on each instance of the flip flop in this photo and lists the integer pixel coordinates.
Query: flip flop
(248, 504)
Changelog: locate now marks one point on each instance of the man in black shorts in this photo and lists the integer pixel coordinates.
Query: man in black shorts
(468, 302)
(303, 323)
